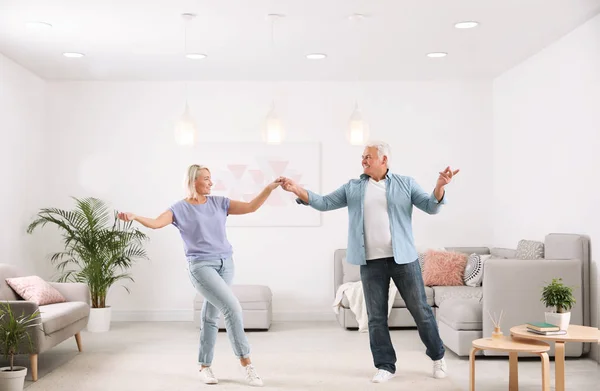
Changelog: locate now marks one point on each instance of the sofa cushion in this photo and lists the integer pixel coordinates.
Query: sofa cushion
(251, 297)
(60, 315)
(422, 252)
(567, 246)
(474, 269)
(444, 268)
(461, 314)
(530, 249)
(442, 293)
(35, 289)
(398, 301)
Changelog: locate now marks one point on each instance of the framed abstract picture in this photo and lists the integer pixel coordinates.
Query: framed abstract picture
(241, 171)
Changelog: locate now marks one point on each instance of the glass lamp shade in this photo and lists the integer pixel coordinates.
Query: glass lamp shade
(358, 129)
(273, 131)
(185, 129)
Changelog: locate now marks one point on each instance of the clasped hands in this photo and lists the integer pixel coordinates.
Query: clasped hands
(286, 184)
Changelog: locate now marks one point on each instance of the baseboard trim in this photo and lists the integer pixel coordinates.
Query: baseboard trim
(153, 316)
(188, 316)
(303, 316)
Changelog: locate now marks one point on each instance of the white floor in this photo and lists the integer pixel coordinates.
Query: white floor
(290, 356)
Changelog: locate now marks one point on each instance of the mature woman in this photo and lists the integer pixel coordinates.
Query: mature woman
(200, 219)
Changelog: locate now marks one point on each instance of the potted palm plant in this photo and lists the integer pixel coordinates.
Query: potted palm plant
(14, 330)
(98, 252)
(560, 298)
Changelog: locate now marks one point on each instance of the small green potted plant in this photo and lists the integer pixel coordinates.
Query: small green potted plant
(559, 297)
(14, 330)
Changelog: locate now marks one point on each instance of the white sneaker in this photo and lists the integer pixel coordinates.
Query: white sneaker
(251, 376)
(207, 376)
(382, 376)
(440, 370)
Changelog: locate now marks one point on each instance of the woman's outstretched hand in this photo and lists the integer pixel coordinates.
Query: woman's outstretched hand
(275, 184)
(126, 216)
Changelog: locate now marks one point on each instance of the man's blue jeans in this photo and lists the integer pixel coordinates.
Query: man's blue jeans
(212, 279)
(375, 277)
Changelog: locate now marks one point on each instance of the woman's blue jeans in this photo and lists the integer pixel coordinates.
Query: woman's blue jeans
(213, 280)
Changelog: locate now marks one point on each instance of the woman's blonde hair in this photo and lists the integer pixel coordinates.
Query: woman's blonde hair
(189, 181)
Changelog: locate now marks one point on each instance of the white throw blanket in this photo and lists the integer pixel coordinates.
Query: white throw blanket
(356, 300)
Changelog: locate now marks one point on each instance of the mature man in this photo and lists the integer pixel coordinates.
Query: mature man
(380, 240)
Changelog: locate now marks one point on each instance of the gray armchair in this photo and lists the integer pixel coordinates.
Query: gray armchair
(56, 322)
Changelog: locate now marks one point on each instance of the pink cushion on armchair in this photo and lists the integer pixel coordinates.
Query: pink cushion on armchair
(35, 289)
(444, 268)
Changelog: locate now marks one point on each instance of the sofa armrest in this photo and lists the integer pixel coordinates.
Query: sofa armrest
(20, 308)
(514, 286)
(73, 291)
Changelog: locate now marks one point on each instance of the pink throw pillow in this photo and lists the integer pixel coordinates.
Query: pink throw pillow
(444, 268)
(34, 288)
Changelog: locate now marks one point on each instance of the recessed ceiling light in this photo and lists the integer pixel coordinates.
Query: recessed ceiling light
(73, 55)
(437, 54)
(38, 25)
(466, 25)
(274, 17)
(188, 16)
(357, 17)
(316, 56)
(196, 56)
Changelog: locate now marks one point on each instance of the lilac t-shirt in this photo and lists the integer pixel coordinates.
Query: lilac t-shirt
(202, 228)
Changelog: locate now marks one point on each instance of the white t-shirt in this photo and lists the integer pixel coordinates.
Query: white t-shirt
(378, 236)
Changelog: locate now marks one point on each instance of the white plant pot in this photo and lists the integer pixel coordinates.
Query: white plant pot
(12, 380)
(561, 320)
(99, 320)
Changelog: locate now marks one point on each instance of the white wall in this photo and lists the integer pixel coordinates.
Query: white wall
(24, 180)
(429, 124)
(547, 143)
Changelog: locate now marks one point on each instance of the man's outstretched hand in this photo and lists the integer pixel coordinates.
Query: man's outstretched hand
(288, 185)
(445, 177)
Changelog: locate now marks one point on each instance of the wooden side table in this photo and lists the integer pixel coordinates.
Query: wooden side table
(513, 347)
(574, 333)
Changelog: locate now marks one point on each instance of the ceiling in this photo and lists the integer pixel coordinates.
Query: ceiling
(144, 40)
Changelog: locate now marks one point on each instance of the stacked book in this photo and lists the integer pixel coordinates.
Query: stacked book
(543, 328)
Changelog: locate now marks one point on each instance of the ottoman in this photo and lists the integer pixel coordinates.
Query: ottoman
(460, 323)
(256, 302)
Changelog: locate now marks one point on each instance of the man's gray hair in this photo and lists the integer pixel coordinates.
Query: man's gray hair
(383, 149)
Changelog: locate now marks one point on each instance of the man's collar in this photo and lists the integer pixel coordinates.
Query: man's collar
(365, 176)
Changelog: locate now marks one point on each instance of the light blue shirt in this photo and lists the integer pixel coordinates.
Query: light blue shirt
(402, 193)
(202, 228)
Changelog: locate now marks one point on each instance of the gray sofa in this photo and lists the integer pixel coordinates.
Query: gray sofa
(509, 284)
(56, 322)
